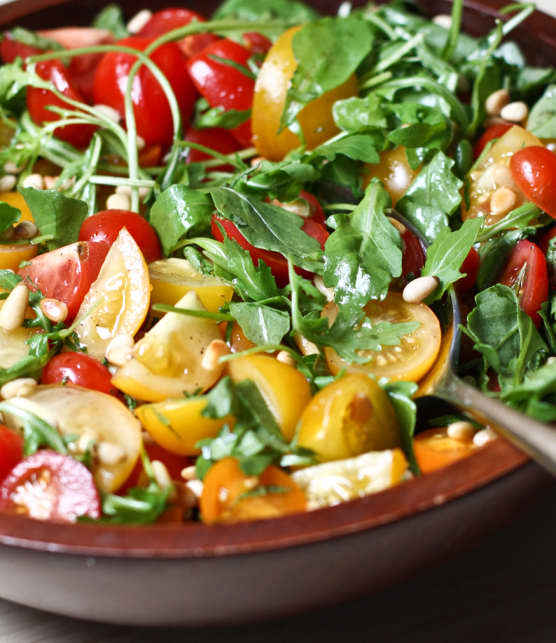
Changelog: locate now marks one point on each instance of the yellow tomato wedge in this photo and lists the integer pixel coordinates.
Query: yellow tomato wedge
(178, 424)
(13, 346)
(167, 361)
(434, 449)
(394, 172)
(118, 301)
(76, 411)
(273, 82)
(172, 278)
(11, 255)
(16, 200)
(408, 361)
(283, 387)
(332, 483)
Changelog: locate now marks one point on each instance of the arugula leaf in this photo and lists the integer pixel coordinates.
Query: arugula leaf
(360, 114)
(359, 147)
(111, 18)
(518, 218)
(14, 79)
(8, 279)
(37, 432)
(220, 117)
(33, 39)
(178, 212)
(140, 505)
(446, 254)
(363, 254)
(57, 217)
(293, 12)
(8, 216)
(328, 51)
(283, 181)
(433, 196)
(401, 398)
(536, 394)
(261, 324)
(542, 117)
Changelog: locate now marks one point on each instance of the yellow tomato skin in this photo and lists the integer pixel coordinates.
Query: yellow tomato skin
(12, 255)
(435, 450)
(351, 416)
(16, 200)
(177, 425)
(272, 85)
(282, 386)
(393, 171)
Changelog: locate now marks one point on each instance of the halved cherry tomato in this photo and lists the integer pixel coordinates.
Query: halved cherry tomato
(151, 109)
(78, 369)
(217, 138)
(38, 100)
(414, 257)
(11, 450)
(470, 267)
(65, 274)
(223, 85)
(50, 486)
(534, 171)
(492, 132)
(526, 271)
(225, 485)
(103, 228)
(11, 49)
(256, 42)
(394, 172)
(434, 449)
(169, 19)
(238, 340)
(317, 213)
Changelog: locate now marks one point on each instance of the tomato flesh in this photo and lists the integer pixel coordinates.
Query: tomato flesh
(435, 450)
(470, 267)
(527, 270)
(50, 486)
(494, 131)
(534, 170)
(79, 369)
(11, 450)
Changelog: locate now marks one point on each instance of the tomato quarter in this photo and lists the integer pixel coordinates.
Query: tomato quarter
(534, 170)
(79, 369)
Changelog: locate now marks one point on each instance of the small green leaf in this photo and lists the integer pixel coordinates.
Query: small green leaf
(261, 324)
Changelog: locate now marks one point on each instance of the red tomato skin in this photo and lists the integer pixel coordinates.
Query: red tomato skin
(317, 213)
(217, 138)
(11, 450)
(256, 42)
(39, 99)
(151, 109)
(65, 274)
(534, 170)
(11, 49)
(470, 267)
(78, 369)
(222, 85)
(413, 258)
(172, 18)
(102, 229)
(494, 131)
(69, 490)
(534, 290)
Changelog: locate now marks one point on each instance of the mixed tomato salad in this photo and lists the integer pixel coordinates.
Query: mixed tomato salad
(208, 308)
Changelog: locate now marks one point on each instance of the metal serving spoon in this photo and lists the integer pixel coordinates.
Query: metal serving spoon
(536, 439)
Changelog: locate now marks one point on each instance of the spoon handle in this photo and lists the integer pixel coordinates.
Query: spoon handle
(536, 439)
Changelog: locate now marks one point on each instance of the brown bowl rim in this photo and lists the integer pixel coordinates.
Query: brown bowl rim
(491, 462)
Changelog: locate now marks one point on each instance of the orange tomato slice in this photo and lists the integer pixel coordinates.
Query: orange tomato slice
(434, 449)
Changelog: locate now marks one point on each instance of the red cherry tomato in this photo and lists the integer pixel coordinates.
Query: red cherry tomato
(102, 229)
(546, 237)
(11, 49)
(470, 267)
(50, 486)
(413, 258)
(534, 170)
(223, 85)
(317, 213)
(526, 269)
(169, 19)
(217, 138)
(256, 42)
(11, 450)
(494, 131)
(78, 369)
(39, 99)
(65, 274)
(151, 109)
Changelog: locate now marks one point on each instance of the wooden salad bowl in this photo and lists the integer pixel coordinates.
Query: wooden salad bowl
(196, 574)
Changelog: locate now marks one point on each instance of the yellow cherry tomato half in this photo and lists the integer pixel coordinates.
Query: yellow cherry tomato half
(411, 358)
(434, 449)
(226, 496)
(11, 255)
(394, 171)
(349, 417)
(271, 88)
(283, 387)
(16, 200)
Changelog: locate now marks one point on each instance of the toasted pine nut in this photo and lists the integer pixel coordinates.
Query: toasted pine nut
(483, 436)
(443, 20)
(108, 112)
(214, 351)
(324, 290)
(53, 309)
(515, 112)
(7, 183)
(50, 182)
(20, 387)
(463, 431)
(110, 454)
(12, 313)
(11, 168)
(118, 202)
(25, 230)
(126, 190)
(120, 350)
(139, 20)
(285, 358)
(305, 346)
(188, 473)
(502, 176)
(33, 181)
(163, 478)
(398, 225)
(196, 486)
(496, 102)
(420, 289)
(502, 201)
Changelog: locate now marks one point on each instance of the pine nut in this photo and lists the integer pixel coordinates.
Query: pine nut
(19, 387)
(7, 183)
(33, 181)
(11, 168)
(53, 309)
(420, 289)
(108, 112)
(483, 436)
(443, 20)
(188, 473)
(86, 441)
(285, 358)
(50, 182)
(214, 351)
(12, 313)
(463, 431)
(110, 454)
(305, 346)
(496, 102)
(139, 20)
(163, 479)
(196, 486)
(140, 143)
(118, 202)
(502, 176)
(398, 225)
(515, 112)
(120, 350)
(126, 190)
(502, 201)
(25, 230)
(324, 290)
